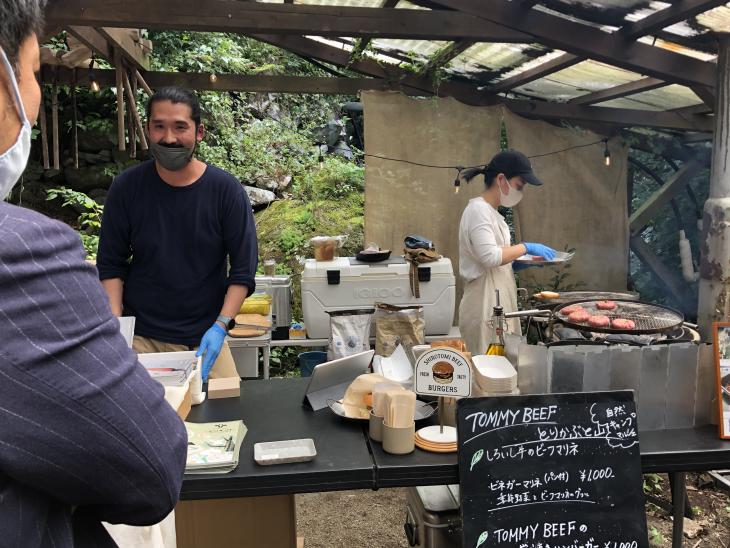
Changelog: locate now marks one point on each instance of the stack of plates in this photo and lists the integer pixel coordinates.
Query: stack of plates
(495, 374)
(433, 439)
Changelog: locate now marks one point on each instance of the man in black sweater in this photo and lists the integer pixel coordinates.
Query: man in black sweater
(170, 227)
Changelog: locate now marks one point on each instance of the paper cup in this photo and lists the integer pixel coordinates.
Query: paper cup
(376, 427)
(399, 441)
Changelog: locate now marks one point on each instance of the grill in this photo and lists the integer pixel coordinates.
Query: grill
(648, 318)
(573, 296)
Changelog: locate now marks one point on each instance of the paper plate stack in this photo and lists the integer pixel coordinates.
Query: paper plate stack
(437, 440)
(495, 375)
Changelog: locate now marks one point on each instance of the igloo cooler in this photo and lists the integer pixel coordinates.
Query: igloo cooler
(346, 284)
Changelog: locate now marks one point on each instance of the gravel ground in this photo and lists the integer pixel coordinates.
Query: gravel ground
(352, 519)
(374, 519)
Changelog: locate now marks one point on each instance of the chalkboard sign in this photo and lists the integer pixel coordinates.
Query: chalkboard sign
(551, 471)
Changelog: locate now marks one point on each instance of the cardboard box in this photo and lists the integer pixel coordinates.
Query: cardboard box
(225, 387)
(250, 522)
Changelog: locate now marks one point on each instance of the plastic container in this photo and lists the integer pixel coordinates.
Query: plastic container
(308, 361)
(269, 267)
(399, 441)
(326, 248)
(280, 452)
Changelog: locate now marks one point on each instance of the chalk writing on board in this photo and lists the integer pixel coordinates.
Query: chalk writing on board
(563, 474)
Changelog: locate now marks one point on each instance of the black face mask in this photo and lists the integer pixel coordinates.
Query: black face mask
(172, 158)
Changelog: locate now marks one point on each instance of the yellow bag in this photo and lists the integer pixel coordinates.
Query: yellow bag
(258, 303)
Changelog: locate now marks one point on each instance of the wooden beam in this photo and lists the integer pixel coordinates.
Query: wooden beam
(705, 93)
(584, 40)
(559, 63)
(408, 81)
(701, 108)
(677, 11)
(92, 39)
(616, 92)
(250, 17)
(660, 272)
(133, 109)
(235, 82)
(648, 210)
(142, 82)
(606, 115)
(445, 55)
(385, 4)
(656, 144)
(706, 43)
(131, 50)
(118, 82)
(44, 131)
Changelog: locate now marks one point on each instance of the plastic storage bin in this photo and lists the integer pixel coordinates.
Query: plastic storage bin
(308, 360)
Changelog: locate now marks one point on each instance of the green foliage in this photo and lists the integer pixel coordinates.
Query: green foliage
(337, 178)
(291, 241)
(652, 484)
(89, 219)
(283, 361)
(656, 539)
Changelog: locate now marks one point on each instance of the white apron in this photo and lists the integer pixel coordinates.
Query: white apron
(479, 299)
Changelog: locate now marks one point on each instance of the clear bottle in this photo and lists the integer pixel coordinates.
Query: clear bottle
(498, 324)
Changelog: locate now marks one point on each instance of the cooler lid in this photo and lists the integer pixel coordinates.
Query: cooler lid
(438, 498)
(273, 281)
(349, 267)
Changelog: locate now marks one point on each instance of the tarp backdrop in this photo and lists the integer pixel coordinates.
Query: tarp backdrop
(583, 204)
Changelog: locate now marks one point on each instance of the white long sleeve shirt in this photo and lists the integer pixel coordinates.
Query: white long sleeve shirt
(483, 233)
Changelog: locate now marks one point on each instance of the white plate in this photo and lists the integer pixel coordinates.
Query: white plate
(560, 258)
(435, 435)
(280, 452)
(423, 410)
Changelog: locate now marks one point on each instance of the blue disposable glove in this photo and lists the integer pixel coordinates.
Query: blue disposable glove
(540, 250)
(211, 345)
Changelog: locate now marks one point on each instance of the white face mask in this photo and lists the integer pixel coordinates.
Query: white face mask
(14, 160)
(512, 198)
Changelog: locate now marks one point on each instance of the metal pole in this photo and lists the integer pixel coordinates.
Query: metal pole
(714, 297)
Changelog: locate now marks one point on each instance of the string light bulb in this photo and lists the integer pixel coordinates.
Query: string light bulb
(606, 153)
(457, 181)
(93, 84)
(213, 78)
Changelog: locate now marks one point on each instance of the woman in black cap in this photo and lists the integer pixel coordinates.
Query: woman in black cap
(485, 251)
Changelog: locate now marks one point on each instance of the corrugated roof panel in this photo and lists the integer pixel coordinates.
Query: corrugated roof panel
(534, 62)
(493, 57)
(348, 3)
(717, 19)
(645, 11)
(666, 98)
(549, 90)
(585, 77)
(625, 5)
(420, 49)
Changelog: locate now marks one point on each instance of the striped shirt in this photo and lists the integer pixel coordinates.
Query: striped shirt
(85, 433)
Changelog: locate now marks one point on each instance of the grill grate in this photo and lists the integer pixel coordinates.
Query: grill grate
(648, 318)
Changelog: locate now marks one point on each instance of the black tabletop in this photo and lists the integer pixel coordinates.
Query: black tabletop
(272, 410)
(347, 459)
(681, 450)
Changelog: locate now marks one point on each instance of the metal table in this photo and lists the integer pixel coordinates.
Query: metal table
(673, 451)
(454, 333)
(263, 342)
(272, 410)
(347, 459)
